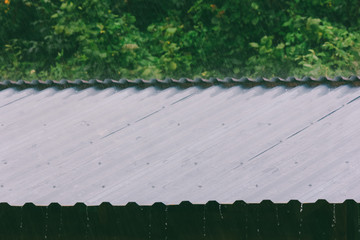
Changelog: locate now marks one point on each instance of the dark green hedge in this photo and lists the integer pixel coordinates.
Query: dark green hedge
(54, 39)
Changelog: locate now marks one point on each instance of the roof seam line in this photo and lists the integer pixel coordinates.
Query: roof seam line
(14, 101)
(332, 112)
(296, 133)
(265, 151)
(182, 99)
(149, 115)
(303, 129)
(114, 132)
(357, 98)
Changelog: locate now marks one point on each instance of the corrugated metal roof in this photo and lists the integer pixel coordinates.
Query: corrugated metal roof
(169, 145)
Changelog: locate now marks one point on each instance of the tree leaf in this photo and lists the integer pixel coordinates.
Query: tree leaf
(254, 44)
(171, 30)
(280, 46)
(172, 66)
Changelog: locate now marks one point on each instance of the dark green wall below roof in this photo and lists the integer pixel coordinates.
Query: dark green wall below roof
(266, 220)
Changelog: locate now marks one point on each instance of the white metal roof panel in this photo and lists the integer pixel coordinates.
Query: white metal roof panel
(151, 145)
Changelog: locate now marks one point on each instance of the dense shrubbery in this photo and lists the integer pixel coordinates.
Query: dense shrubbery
(54, 39)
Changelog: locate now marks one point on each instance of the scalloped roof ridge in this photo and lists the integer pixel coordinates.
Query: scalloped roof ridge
(184, 82)
(185, 202)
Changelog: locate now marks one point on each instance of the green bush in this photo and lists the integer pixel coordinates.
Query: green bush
(54, 39)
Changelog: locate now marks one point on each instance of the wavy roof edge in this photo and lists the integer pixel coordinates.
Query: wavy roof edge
(184, 82)
(211, 202)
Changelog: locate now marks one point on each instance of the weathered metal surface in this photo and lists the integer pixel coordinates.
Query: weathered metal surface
(171, 145)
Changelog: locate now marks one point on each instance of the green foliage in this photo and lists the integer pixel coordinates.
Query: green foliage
(54, 39)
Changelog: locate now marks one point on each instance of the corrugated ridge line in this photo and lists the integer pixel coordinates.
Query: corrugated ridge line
(184, 82)
(211, 202)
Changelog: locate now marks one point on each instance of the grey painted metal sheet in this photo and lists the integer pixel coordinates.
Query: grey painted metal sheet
(151, 145)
